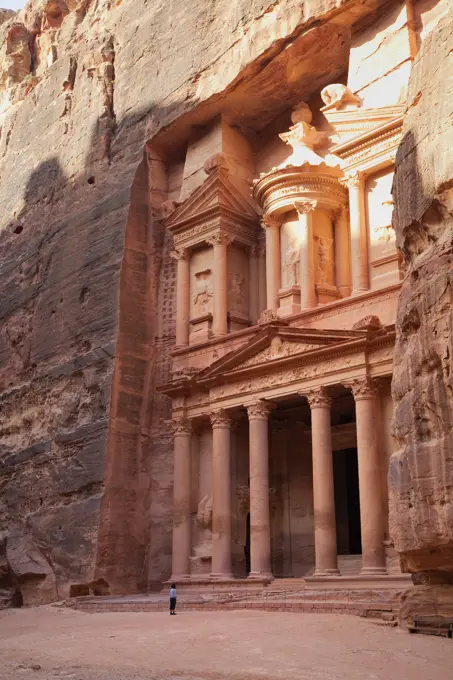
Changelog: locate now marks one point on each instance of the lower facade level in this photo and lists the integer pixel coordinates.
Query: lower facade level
(293, 487)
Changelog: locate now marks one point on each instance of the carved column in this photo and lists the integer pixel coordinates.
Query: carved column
(181, 255)
(260, 539)
(220, 242)
(254, 290)
(342, 253)
(358, 231)
(307, 265)
(261, 278)
(273, 270)
(370, 490)
(181, 499)
(221, 494)
(323, 488)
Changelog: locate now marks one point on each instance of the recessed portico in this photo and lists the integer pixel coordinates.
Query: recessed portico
(289, 422)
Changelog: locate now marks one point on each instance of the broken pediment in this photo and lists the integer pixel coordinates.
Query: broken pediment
(216, 197)
(350, 121)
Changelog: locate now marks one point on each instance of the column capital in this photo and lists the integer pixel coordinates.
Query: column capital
(220, 238)
(305, 207)
(259, 410)
(182, 426)
(363, 388)
(318, 397)
(352, 180)
(257, 250)
(220, 418)
(180, 254)
(270, 221)
(341, 213)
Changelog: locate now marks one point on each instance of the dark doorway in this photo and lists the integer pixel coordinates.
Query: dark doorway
(347, 502)
(247, 545)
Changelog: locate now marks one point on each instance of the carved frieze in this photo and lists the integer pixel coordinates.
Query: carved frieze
(277, 350)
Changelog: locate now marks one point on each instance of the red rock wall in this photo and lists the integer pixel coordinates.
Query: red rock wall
(86, 282)
(421, 471)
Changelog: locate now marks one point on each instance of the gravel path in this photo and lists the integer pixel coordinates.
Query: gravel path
(46, 643)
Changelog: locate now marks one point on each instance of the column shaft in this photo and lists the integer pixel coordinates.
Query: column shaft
(273, 274)
(181, 501)
(307, 267)
(359, 241)
(182, 297)
(260, 541)
(254, 285)
(370, 490)
(220, 242)
(221, 496)
(323, 487)
(342, 254)
(262, 278)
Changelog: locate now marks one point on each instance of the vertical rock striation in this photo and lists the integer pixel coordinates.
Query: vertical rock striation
(421, 471)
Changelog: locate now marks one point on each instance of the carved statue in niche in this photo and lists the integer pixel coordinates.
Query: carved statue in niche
(291, 262)
(340, 95)
(203, 549)
(325, 260)
(384, 231)
(235, 292)
(203, 291)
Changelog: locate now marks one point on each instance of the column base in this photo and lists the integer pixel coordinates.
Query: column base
(327, 572)
(260, 576)
(221, 577)
(177, 578)
(373, 571)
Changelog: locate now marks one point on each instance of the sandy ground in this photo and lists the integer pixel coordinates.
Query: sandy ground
(46, 643)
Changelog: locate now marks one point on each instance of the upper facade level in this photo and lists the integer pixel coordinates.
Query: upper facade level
(312, 229)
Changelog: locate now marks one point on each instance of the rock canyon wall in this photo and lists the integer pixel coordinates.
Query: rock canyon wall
(99, 103)
(421, 471)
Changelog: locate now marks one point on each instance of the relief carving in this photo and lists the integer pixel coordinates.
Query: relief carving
(236, 295)
(340, 95)
(203, 291)
(291, 268)
(203, 549)
(325, 260)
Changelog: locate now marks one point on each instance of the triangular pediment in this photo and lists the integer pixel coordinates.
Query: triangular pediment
(277, 343)
(217, 194)
(350, 122)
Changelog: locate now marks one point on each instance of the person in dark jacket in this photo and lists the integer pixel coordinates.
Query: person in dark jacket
(172, 599)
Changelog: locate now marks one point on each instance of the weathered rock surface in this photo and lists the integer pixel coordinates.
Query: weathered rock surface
(421, 471)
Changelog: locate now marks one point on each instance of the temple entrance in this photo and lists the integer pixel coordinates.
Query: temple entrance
(347, 502)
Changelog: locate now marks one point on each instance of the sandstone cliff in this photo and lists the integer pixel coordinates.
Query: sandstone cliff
(421, 472)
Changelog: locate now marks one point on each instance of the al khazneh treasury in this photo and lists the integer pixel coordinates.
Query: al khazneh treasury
(285, 310)
(225, 298)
